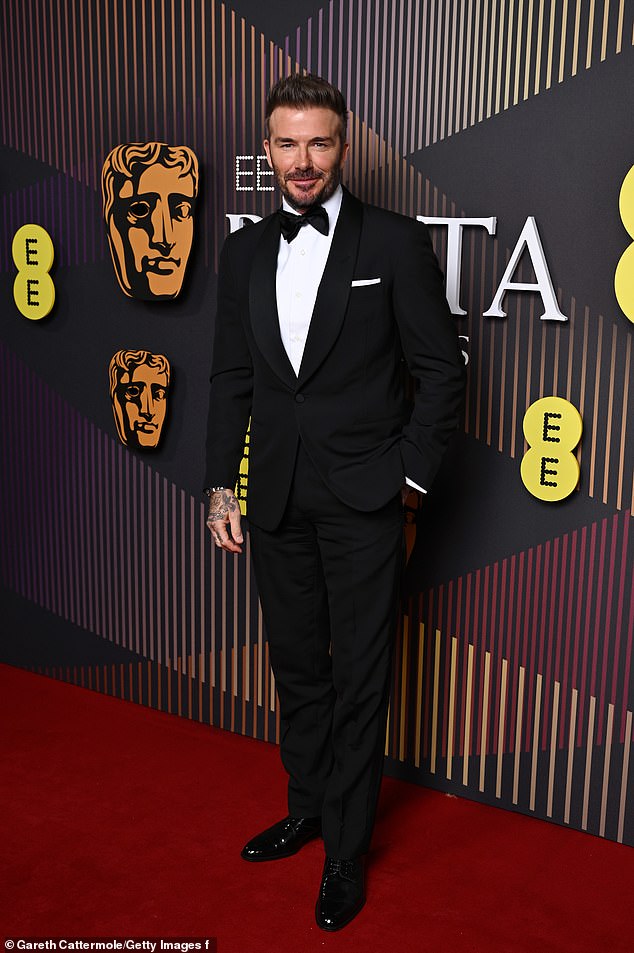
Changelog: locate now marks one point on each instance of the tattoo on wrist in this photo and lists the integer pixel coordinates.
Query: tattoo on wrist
(221, 504)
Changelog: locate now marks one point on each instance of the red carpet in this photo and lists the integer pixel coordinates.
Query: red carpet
(120, 821)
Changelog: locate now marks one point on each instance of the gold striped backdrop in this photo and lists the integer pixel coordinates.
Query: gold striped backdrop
(471, 711)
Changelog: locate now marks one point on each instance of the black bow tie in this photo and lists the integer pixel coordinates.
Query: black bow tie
(290, 224)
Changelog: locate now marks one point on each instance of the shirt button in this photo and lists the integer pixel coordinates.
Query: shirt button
(302, 252)
(299, 398)
(298, 294)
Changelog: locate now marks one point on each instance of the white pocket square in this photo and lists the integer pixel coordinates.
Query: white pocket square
(360, 282)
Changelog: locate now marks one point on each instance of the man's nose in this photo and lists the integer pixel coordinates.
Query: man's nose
(147, 404)
(162, 232)
(302, 159)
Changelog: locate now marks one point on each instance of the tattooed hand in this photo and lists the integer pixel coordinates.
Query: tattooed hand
(224, 515)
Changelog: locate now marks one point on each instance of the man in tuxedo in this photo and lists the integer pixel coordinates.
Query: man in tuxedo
(319, 304)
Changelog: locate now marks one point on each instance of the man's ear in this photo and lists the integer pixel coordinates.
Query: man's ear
(267, 149)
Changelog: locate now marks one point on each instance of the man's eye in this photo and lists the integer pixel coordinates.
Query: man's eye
(132, 391)
(138, 210)
(183, 210)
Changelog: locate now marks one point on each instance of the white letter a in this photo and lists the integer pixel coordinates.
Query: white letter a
(529, 237)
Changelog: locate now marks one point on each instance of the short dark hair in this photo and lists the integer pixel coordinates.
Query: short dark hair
(307, 91)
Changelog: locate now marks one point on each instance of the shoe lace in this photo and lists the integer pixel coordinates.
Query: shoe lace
(345, 868)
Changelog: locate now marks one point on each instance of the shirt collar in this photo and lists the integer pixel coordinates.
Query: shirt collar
(332, 206)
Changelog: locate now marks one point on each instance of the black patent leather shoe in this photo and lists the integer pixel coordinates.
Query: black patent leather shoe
(341, 894)
(282, 839)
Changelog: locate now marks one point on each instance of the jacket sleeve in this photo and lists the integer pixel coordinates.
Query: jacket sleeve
(431, 349)
(231, 383)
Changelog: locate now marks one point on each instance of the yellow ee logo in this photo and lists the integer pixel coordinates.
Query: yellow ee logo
(33, 288)
(624, 274)
(552, 427)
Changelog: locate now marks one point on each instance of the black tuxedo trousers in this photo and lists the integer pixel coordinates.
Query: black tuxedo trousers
(328, 578)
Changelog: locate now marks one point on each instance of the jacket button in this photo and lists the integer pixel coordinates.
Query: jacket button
(299, 398)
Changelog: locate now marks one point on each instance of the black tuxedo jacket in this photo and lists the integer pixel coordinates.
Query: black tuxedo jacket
(381, 300)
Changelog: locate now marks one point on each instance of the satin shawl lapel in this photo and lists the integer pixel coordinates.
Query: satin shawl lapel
(263, 303)
(334, 289)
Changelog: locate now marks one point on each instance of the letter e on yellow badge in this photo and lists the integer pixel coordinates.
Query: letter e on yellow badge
(549, 469)
(33, 288)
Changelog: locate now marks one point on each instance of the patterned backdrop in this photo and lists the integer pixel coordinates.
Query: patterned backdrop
(513, 673)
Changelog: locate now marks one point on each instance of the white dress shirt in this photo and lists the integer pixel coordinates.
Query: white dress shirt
(300, 268)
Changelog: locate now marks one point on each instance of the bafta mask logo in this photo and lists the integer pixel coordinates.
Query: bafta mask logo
(139, 381)
(149, 190)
